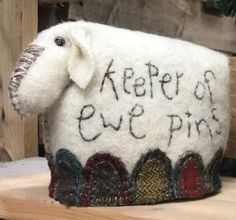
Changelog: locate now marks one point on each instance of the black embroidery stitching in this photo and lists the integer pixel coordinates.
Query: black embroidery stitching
(195, 90)
(171, 129)
(198, 125)
(80, 118)
(151, 75)
(132, 115)
(178, 76)
(107, 75)
(108, 124)
(189, 125)
(208, 83)
(139, 85)
(217, 120)
(127, 77)
(165, 81)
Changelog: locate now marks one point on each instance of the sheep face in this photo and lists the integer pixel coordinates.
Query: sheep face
(46, 66)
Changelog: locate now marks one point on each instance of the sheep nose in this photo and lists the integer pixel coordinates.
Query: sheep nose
(27, 58)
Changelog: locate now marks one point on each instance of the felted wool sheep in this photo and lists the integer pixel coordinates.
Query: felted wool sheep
(131, 118)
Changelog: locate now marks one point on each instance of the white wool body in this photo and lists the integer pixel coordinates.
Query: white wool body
(157, 92)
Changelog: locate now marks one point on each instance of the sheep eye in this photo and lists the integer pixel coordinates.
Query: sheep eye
(60, 41)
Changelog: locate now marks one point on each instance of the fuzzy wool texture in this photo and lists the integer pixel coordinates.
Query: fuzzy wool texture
(157, 92)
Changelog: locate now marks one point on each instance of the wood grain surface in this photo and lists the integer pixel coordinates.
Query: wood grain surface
(47, 2)
(231, 150)
(18, 26)
(24, 196)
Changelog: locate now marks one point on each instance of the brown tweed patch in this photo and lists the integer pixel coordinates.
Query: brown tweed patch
(106, 181)
(104, 184)
(153, 179)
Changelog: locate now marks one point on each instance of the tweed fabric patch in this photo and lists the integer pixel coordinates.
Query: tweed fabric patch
(212, 173)
(105, 182)
(189, 176)
(152, 179)
(69, 183)
(54, 176)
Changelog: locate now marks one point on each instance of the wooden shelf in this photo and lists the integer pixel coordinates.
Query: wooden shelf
(24, 196)
(46, 2)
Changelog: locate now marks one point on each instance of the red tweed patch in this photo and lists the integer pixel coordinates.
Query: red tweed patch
(189, 177)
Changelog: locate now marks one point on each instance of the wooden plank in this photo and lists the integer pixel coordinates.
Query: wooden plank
(231, 150)
(185, 19)
(47, 2)
(211, 30)
(18, 23)
(25, 196)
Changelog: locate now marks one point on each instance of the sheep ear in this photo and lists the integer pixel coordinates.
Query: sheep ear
(81, 62)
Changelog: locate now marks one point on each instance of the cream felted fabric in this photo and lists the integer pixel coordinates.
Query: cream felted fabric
(125, 94)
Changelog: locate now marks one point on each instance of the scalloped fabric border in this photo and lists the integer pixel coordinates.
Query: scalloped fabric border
(104, 180)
